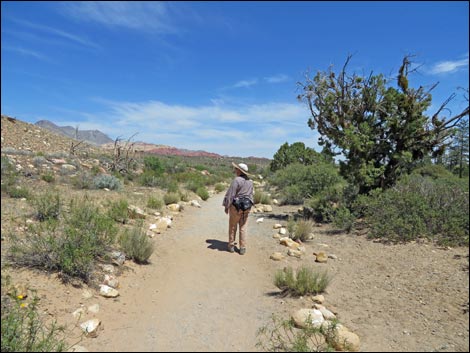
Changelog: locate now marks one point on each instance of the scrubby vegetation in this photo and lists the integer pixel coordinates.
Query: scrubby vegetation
(305, 280)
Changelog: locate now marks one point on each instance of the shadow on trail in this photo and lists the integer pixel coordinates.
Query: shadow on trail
(217, 244)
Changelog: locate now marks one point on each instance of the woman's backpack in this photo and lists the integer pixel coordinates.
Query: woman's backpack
(242, 204)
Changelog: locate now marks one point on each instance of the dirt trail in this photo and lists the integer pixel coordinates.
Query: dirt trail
(195, 296)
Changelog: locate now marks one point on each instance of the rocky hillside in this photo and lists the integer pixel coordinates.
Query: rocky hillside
(94, 137)
(27, 138)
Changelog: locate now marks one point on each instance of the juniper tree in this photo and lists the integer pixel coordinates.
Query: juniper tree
(382, 131)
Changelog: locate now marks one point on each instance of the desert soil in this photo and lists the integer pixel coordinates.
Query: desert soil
(196, 296)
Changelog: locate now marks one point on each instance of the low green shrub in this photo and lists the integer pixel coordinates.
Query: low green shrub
(305, 281)
(107, 181)
(24, 330)
(136, 244)
(48, 206)
(155, 203)
(171, 197)
(421, 207)
(282, 336)
(202, 193)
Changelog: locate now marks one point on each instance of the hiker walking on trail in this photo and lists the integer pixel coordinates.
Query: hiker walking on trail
(237, 202)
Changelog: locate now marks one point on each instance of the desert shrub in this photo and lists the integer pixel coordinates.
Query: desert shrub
(48, 177)
(419, 207)
(83, 180)
(343, 219)
(117, 210)
(282, 336)
(325, 204)
(219, 187)
(71, 249)
(301, 230)
(297, 182)
(38, 161)
(149, 179)
(24, 330)
(305, 281)
(173, 187)
(171, 197)
(153, 164)
(261, 197)
(107, 181)
(155, 203)
(9, 174)
(202, 193)
(136, 244)
(195, 183)
(19, 192)
(48, 206)
(185, 196)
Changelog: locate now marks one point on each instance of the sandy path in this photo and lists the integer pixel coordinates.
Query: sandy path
(195, 296)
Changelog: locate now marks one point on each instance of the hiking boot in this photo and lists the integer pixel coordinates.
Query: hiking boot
(242, 251)
(231, 248)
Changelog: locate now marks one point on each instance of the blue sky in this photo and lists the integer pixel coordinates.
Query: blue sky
(214, 76)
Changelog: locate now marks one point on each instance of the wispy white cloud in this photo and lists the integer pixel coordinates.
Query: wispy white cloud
(26, 52)
(58, 32)
(245, 83)
(277, 78)
(250, 130)
(138, 15)
(449, 66)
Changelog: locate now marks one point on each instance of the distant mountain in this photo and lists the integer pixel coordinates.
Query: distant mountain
(95, 137)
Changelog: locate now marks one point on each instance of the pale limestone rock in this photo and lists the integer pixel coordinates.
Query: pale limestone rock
(345, 340)
(276, 256)
(111, 281)
(108, 292)
(90, 327)
(277, 226)
(321, 257)
(305, 317)
(318, 299)
(294, 253)
(174, 207)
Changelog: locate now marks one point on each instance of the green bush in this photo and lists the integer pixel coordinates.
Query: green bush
(83, 180)
(343, 219)
(421, 207)
(298, 182)
(153, 164)
(71, 249)
(171, 197)
(48, 206)
(262, 198)
(302, 230)
(19, 192)
(155, 203)
(305, 281)
(23, 330)
(219, 187)
(136, 244)
(48, 177)
(202, 193)
(282, 336)
(117, 210)
(107, 181)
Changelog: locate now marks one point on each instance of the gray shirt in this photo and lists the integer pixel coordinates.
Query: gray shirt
(240, 187)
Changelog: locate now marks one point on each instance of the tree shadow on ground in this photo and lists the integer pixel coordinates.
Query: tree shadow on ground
(217, 244)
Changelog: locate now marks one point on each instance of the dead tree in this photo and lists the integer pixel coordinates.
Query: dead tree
(123, 156)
